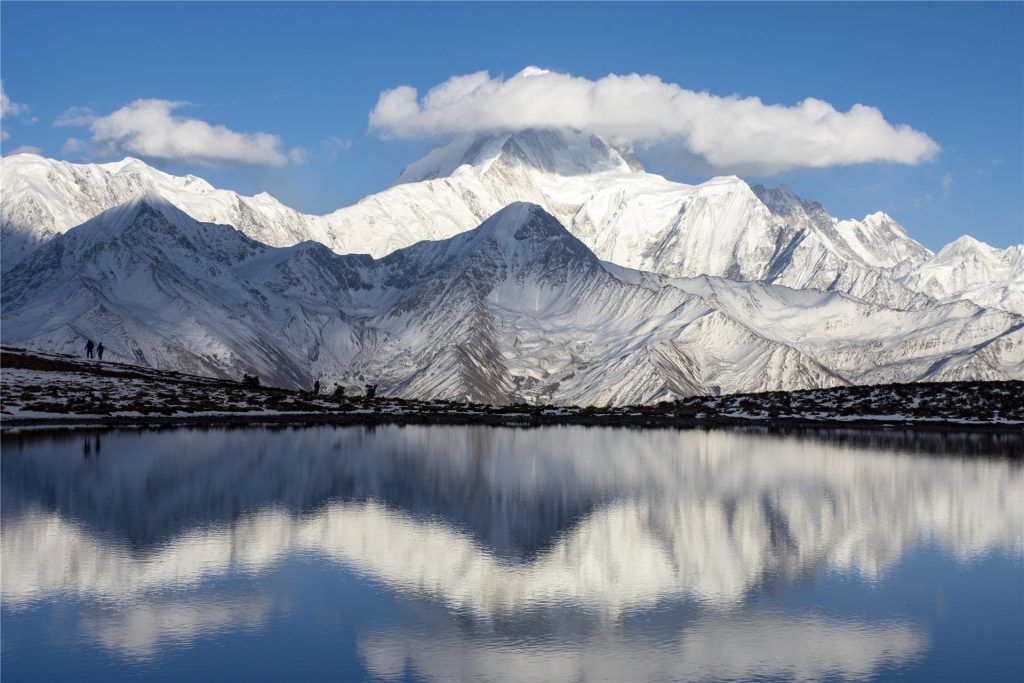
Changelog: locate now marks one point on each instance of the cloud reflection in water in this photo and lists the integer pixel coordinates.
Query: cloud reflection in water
(502, 524)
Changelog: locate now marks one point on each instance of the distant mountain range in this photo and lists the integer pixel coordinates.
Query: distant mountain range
(541, 266)
(723, 227)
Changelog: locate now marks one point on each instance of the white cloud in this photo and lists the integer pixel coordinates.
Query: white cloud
(147, 128)
(76, 117)
(298, 155)
(735, 133)
(72, 146)
(9, 107)
(947, 185)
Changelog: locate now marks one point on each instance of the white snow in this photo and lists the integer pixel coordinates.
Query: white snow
(517, 310)
(671, 290)
(625, 215)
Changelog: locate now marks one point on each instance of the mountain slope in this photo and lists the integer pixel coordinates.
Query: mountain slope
(156, 286)
(633, 218)
(972, 270)
(517, 309)
(723, 227)
(45, 197)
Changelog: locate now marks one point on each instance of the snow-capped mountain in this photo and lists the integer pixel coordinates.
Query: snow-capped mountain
(517, 309)
(972, 270)
(44, 197)
(723, 227)
(156, 286)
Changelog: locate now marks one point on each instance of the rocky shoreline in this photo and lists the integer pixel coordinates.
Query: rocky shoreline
(60, 391)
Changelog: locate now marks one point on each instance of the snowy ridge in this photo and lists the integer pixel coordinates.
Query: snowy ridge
(972, 270)
(723, 227)
(516, 310)
(44, 197)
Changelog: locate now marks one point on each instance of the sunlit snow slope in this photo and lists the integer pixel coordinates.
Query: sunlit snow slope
(517, 309)
(723, 227)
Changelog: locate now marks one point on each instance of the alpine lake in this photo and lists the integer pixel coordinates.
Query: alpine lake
(444, 553)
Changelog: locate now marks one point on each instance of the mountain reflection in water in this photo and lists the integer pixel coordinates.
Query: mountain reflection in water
(527, 548)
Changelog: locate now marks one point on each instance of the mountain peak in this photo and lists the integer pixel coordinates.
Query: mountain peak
(127, 164)
(879, 217)
(511, 220)
(554, 151)
(965, 244)
(967, 241)
(125, 217)
(520, 239)
(516, 223)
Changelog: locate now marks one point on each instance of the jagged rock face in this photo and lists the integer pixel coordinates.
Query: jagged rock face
(516, 310)
(625, 215)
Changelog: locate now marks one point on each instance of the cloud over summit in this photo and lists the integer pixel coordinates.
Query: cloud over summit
(729, 133)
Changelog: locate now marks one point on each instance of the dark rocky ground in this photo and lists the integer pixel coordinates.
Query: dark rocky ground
(50, 389)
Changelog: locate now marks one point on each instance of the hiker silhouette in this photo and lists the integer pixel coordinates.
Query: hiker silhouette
(99, 351)
(316, 388)
(89, 346)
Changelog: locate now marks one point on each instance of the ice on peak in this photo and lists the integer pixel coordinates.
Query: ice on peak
(966, 244)
(513, 216)
(724, 185)
(127, 164)
(879, 218)
(967, 240)
(563, 152)
(725, 180)
(508, 224)
(521, 233)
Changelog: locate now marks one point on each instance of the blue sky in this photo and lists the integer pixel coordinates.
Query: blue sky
(310, 73)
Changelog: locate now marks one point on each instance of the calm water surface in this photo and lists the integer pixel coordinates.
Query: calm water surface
(476, 553)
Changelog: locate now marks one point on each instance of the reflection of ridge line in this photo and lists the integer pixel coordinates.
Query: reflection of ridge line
(707, 514)
(615, 560)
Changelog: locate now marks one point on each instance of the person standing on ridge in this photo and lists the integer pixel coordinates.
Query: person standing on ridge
(89, 346)
(316, 388)
(99, 351)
